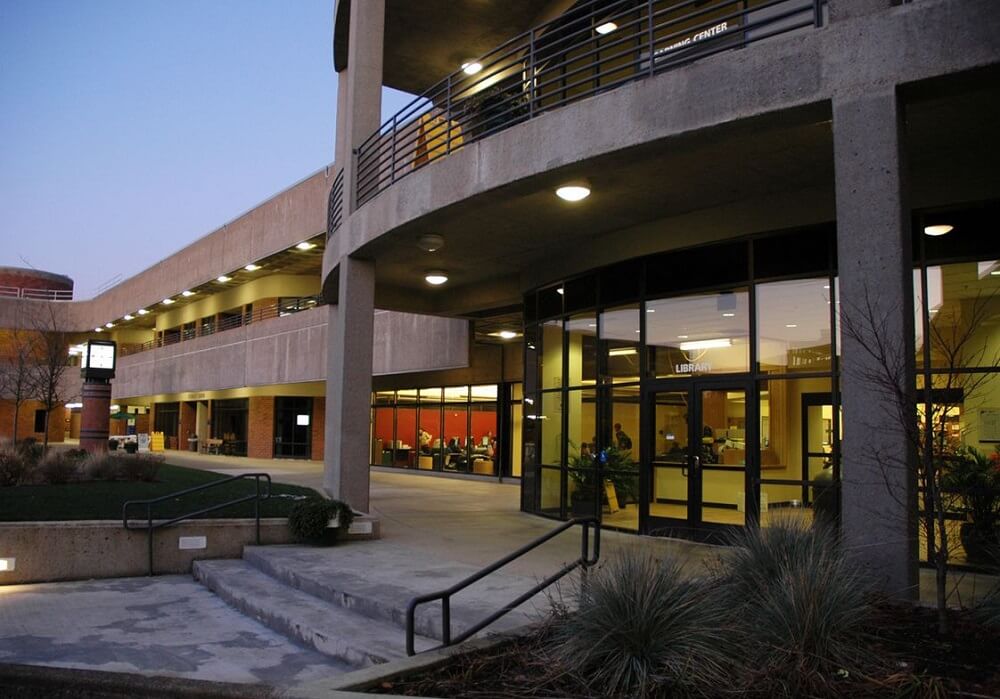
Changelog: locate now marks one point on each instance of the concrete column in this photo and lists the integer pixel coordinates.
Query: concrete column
(876, 283)
(94, 420)
(349, 384)
(359, 88)
(849, 9)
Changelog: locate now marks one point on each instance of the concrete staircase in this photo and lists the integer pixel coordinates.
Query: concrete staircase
(349, 601)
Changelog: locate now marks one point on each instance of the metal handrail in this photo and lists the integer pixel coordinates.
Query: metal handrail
(152, 526)
(172, 336)
(20, 292)
(563, 61)
(584, 561)
(335, 207)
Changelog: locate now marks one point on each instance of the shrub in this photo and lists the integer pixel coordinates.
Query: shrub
(101, 467)
(76, 454)
(640, 629)
(133, 467)
(56, 468)
(308, 520)
(31, 451)
(988, 610)
(13, 466)
(799, 604)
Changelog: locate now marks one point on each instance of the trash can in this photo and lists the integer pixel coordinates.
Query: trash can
(192, 444)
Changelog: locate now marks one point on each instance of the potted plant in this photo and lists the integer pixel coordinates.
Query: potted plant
(974, 479)
(616, 466)
(320, 521)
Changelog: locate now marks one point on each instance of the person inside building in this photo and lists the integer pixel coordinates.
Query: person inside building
(623, 441)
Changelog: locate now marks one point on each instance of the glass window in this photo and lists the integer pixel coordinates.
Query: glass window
(456, 436)
(430, 440)
(551, 360)
(620, 332)
(963, 301)
(700, 334)
(581, 332)
(486, 393)
(793, 326)
(430, 395)
(483, 445)
(382, 437)
(549, 418)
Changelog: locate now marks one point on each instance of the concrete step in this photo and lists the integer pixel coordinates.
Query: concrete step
(331, 629)
(379, 578)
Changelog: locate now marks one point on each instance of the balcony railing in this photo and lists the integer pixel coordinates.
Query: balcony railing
(596, 46)
(335, 208)
(18, 292)
(229, 322)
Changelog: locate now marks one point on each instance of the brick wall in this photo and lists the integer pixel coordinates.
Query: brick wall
(260, 428)
(26, 421)
(318, 428)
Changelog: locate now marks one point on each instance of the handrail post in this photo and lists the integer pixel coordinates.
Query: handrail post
(818, 12)
(392, 160)
(531, 73)
(585, 543)
(652, 38)
(256, 506)
(447, 116)
(149, 537)
(446, 620)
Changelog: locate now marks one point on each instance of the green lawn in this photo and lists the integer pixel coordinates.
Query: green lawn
(104, 500)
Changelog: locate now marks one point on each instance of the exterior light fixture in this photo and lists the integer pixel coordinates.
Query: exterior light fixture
(682, 337)
(573, 191)
(472, 67)
(728, 315)
(129, 316)
(187, 292)
(98, 330)
(430, 242)
(791, 325)
(142, 311)
(938, 230)
(560, 291)
(436, 277)
(222, 279)
(706, 344)
(305, 246)
(252, 267)
(7, 564)
(74, 406)
(109, 324)
(606, 28)
(168, 301)
(995, 273)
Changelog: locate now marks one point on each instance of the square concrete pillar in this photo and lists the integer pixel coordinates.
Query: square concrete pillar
(876, 291)
(349, 384)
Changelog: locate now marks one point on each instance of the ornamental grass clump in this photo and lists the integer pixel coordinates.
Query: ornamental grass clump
(641, 629)
(800, 608)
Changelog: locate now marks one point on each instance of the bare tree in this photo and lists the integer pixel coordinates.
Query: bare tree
(18, 347)
(52, 360)
(953, 345)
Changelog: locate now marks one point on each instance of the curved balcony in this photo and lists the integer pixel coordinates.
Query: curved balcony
(593, 48)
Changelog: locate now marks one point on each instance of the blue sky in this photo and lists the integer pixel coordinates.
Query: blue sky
(129, 129)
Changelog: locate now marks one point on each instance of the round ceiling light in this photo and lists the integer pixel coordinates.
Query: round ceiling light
(606, 28)
(938, 230)
(430, 242)
(436, 277)
(573, 191)
(472, 67)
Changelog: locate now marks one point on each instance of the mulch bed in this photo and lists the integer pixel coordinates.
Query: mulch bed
(918, 662)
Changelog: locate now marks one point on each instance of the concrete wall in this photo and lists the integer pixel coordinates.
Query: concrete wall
(50, 551)
(290, 349)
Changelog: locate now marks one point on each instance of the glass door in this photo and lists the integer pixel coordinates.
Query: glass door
(292, 428)
(695, 474)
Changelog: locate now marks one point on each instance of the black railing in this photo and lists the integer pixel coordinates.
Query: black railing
(584, 561)
(150, 526)
(172, 336)
(594, 47)
(335, 207)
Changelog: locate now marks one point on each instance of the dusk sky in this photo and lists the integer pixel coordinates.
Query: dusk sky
(129, 129)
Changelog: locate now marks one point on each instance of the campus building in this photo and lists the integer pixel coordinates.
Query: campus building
(645, 256)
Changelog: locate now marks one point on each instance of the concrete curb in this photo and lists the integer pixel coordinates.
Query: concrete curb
(350, 683)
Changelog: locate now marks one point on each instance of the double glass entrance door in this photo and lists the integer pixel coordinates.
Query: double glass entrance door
(695, 470)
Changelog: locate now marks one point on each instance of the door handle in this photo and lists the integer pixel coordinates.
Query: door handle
(696, 463)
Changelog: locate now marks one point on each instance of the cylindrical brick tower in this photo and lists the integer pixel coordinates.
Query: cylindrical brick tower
(94, 416)
(32, 283)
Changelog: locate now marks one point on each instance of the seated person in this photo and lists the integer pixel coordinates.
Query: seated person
(456, 456)
(424, 439)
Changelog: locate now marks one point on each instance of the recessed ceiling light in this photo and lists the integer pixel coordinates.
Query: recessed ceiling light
(728, 315)
(638, 331)
(826, 286)
(606, 28)
(305, 246)
(621, 351)
(436, 277)
(109, 324)
(98, 330)
(507, 334)
(142, 311)
(938, 230)
(791, 325)
(472, 67)
(187, 292)
(430, 242)
(706, 344)
(573, 191)
(591, 325)
(129, 316)
(682, 337)
(995, 273)
(168, 301)
(560, 291)
(222, 279)
(252, 267)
